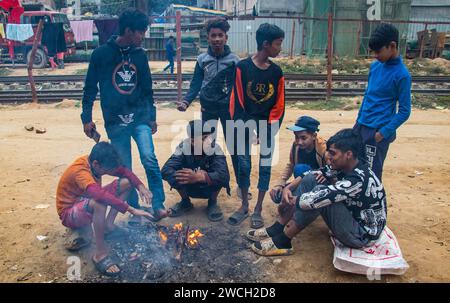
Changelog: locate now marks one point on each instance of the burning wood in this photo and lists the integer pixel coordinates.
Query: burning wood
(179, 237)
(193, 238)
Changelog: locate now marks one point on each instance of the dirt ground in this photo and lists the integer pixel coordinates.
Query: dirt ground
(416, 179)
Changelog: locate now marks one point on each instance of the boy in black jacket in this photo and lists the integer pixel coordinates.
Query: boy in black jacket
(197, 169)
(213, 79)
(121, 71)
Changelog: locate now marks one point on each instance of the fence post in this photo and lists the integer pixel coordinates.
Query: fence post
(358, 39)
(179, 74)
(293, 39)
(425, 32)
(37, 39)
(303, 36)
(329, 55)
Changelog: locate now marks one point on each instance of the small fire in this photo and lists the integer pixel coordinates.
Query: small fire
(178, 227)
(178, 237)
(193, 237)
(163, 237)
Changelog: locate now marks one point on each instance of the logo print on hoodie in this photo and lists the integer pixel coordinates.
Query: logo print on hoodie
(126, 119)
(125, 78)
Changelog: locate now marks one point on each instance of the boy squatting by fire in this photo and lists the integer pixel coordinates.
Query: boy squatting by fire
(81, 200)
(198, 169)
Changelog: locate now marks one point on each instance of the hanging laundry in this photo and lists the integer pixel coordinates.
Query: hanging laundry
(2, 31)
(106, 28)
(19, 32)
(83, 30)
(53, 38)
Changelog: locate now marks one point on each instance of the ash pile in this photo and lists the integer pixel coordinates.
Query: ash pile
(155, 253)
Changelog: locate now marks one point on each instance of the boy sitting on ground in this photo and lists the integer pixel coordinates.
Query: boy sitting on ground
(354, 208)
(81, 200)
(308, 149)
(197, 169)
(324, 175)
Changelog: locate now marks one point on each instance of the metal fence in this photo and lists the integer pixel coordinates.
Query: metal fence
(303, 36)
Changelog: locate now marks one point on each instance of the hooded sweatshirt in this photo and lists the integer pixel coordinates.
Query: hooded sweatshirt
(125, 82)
(214, 79)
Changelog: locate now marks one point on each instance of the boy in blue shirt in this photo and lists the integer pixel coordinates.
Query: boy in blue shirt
(389, 83)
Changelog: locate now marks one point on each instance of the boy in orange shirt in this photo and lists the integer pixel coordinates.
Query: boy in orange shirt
(81, 200)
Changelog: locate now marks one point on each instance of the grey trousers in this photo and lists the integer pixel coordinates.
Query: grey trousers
(337, 217)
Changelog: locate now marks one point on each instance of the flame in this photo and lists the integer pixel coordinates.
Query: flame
(193, 237)
(178, 227)
(163, 237)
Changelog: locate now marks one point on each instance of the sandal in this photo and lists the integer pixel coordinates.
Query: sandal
(237, 218)
(180, 208)
(214, 213)
(269, 249)
(257, 221)
(256, 235)
(106, 263)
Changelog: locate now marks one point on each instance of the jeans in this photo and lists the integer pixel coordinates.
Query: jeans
(371, 152)
(142, 135)
(170, 65)
(224, 116)
(265, 159)
(337, 217)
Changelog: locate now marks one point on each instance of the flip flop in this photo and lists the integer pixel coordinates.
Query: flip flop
(257, 221)
(267, 248)
(106, 263)
(180, 208)
(214, 213)
(256, 235)
(237, 218)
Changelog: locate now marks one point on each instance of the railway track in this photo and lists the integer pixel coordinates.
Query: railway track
(170, 94)
(188, 77)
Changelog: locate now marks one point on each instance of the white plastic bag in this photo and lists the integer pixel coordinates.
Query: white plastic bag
(383, 257)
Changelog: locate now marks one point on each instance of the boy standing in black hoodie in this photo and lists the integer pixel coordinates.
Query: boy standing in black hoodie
(121, 71)
(213, 79)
